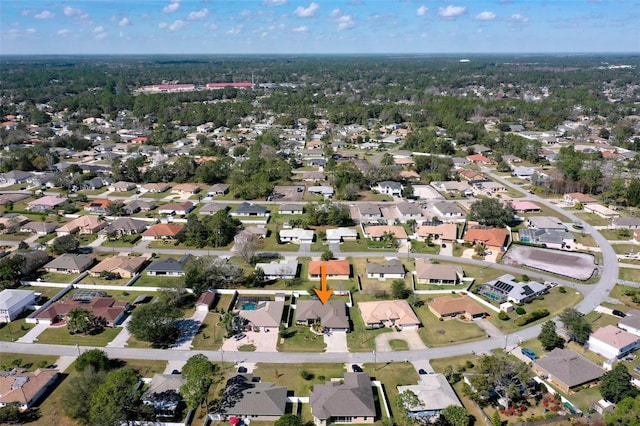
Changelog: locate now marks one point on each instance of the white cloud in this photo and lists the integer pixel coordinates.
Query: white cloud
(98, 30)
(72, 11)
(163, 25)
(274, 2)
(124, 22)
(31, 30)
(452, 11)
(335, 13)
(306, 12)
(101, 36)
(244, 13)
(422, 10)
(210, 26)
(45, 14)
(345, 22)
(63, 32)
(171, 7)
(236, 30)
(485, 16)
(198, 14)
(178, 24)
(521, 19)
(302, 29)
(25, 12)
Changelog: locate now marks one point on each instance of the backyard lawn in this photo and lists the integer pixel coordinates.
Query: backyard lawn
(61, 336)
(14, 330)
(53, 277)
(301, 339)
(27, 361)
(593, 219)
(441, 333)
(392, 375)
(289, 375)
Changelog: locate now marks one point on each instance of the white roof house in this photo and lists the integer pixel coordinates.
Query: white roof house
(341, 234)
(297, 235)
(14, 302)
(631, 322)
(434, 393)
(612, 342)
(285, 269)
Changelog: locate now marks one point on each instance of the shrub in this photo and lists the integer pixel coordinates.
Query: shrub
(562, 290)
(306, 375)
(503, 316)
(520, 310)
(531, 316)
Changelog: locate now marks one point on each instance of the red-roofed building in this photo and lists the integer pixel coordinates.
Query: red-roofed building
(107, 311)
(490, 238)
(335, 269)
(162, 231)
(479, 159)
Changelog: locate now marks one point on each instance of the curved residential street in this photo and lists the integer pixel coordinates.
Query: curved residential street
(593, 294)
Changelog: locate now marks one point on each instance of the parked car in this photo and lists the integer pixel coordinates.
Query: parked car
(175, 372)
(529, 353)
(422, 371)
(618, 313)
(356, 368)
(239, 336)
(242, 369)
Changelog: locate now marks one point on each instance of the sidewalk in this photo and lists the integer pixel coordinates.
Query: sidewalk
(120, 341)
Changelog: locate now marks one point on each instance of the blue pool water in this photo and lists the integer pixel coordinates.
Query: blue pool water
(249, 306)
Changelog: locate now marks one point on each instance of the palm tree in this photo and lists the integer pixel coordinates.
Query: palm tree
(317, 327)
(80, 321)
(233, 323)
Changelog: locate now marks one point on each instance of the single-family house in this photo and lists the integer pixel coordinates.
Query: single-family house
(479, 159)
(107, 311)
(14, 302)
(325, 191)
(212, 208)
(251, 233)
(550, 238)
(451, 306)
(389, 313)
(291, 209)
(335, 269)
(574, 198)
(244, 397)
(163, 394)
(138, 206)
(156, 187)
(388, 187)
(448, 211)
(369, 211)
(332, 315)
(126, 226)
(505, 288)
(93, 184)
(12, 222)
(471, 175)
(282, 270)
(631, 322)
(98, 206)
(391, 269)
(249, 209)
(443, 232)
(377, 232)
(186, 189)
(437, 273)
(122, 186)
(453, 187)
(169, 267)
(45, 204)
(566, 369)
(524, 206)
(545, 223)
(612, 342)
(346, 401)
(433, 394)
(265, 315)
(40, 228)
(24, 387)
(313, 176)
(403, 212)
(123, 265)
(180, 209)
(14, 177)
(162, 231)
(491, 238)
(602, 211)
(69, 264)
(218, 189)
(626, 223)
(339, 235)
(522, 172)
(489, 187)
(297, 235)
(82, 225)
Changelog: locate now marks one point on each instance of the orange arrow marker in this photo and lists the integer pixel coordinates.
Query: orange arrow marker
(324, 293)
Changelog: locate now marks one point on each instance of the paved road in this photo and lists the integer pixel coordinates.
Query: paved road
(593, 295)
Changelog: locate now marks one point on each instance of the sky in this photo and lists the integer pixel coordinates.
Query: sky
(318, 26)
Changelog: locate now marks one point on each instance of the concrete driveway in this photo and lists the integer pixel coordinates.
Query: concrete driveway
(264, 342)
(32, 335)
(336, 342)
(410, 336)
(447, 250)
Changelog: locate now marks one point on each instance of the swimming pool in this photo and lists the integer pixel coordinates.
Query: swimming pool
(249, 306)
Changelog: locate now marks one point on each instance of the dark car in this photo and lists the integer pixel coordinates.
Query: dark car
(529, 353)
(85, 250)
(356, 368)
(618, 313)
(242, 369)
(175, 372)
(422, 371)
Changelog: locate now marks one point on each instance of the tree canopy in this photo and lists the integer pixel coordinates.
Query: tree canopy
(198, 373)
(113, 398)
(576, 325)
(549, 338)
(491, 212)
(616, 385)
(155, 323)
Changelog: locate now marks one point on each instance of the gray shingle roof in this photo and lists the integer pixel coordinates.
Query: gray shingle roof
(353, 398)
(393, 266)
(332, 314)
(244, 397)
(569, 367)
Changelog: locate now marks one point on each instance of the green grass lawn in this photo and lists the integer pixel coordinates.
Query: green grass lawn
(47, 292)
(53, 277)
(210, 336)
(393, 375)
(289, 375)
(625, 294)
(422, 247)
(151, 281)
(373, 285)
(586, 240)
(617, 234)
(17, 236)
(102, 281)
(14, 330)
(441, 333)
(247, 348)
(301, 340)
(629, 274)
(593, 219)
(399, 345)
(555, 302)
(61, 336)
(271, 244)
(625, 248)
(27, 361)
(124, 241)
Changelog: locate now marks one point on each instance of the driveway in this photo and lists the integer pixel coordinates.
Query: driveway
(336, 341)
(120, 341)
(188, 329)
(264, 342)
(32, 335)
(447, 250)
(410, 336)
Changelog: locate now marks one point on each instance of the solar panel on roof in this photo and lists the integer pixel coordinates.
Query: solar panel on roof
(500, 285)
(526, 290)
